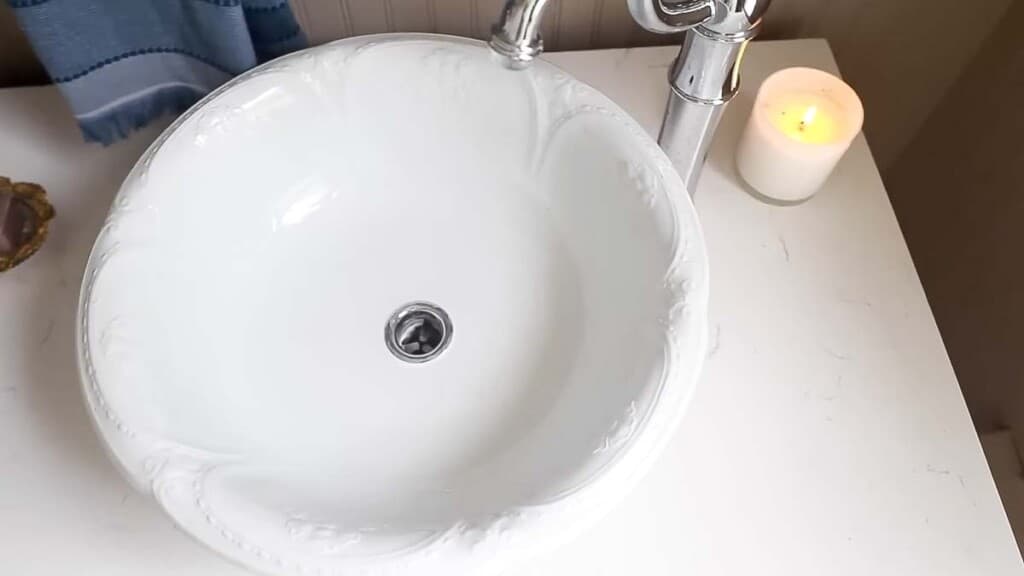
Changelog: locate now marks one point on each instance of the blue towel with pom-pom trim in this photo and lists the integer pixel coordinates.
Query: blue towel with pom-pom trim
(122, 63)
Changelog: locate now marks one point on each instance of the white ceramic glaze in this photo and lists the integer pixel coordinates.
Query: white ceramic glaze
(232, 312)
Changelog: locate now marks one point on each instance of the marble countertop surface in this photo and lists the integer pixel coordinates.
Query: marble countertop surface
(828, 434)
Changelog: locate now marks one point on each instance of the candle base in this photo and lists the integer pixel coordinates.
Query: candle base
(763, 181)
(773, 201)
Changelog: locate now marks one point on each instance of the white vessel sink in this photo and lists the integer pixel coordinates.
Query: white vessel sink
(235, 310)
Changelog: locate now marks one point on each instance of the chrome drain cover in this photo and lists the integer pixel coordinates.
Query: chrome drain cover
(418, 332)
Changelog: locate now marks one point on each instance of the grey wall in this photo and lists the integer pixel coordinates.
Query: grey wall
(897, 53)
(17, 64)
(959, 193)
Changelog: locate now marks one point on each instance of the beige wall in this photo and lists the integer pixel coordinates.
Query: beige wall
(959, 193)
(898, 55)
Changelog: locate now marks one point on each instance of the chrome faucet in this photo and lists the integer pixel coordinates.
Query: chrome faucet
(704, 77)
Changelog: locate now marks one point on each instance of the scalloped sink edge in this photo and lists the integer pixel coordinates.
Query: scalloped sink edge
(230, 320)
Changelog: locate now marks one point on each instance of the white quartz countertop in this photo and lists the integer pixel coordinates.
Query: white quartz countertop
(828, 434)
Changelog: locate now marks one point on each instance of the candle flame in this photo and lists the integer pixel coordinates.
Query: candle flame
(809, 116)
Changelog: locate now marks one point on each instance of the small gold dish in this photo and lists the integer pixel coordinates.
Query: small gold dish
(25, 216)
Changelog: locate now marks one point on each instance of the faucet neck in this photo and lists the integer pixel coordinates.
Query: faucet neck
(704, 78)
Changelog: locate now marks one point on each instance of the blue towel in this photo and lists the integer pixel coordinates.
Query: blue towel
(122, 63)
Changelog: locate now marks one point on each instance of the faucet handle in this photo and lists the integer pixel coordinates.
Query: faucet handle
(669, 16)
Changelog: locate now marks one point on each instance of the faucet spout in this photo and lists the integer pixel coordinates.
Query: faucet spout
(704, 77)
(516, 35)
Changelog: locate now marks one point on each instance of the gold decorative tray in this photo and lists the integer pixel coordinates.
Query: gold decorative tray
(25, 216)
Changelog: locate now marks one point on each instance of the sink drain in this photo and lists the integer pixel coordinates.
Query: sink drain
(418, 332)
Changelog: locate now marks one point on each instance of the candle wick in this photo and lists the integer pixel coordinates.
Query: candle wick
(808, 117)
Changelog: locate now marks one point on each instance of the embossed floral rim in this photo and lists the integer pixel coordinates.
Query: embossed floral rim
(176, 475)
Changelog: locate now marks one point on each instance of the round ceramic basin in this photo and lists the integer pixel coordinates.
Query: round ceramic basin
(247, 347)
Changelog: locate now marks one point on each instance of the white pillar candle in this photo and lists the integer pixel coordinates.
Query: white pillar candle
(802, 123)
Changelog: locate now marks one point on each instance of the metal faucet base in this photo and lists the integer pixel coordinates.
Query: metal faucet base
(686, 134)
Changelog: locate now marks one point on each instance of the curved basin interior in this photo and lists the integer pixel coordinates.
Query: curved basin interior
(258, 253)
